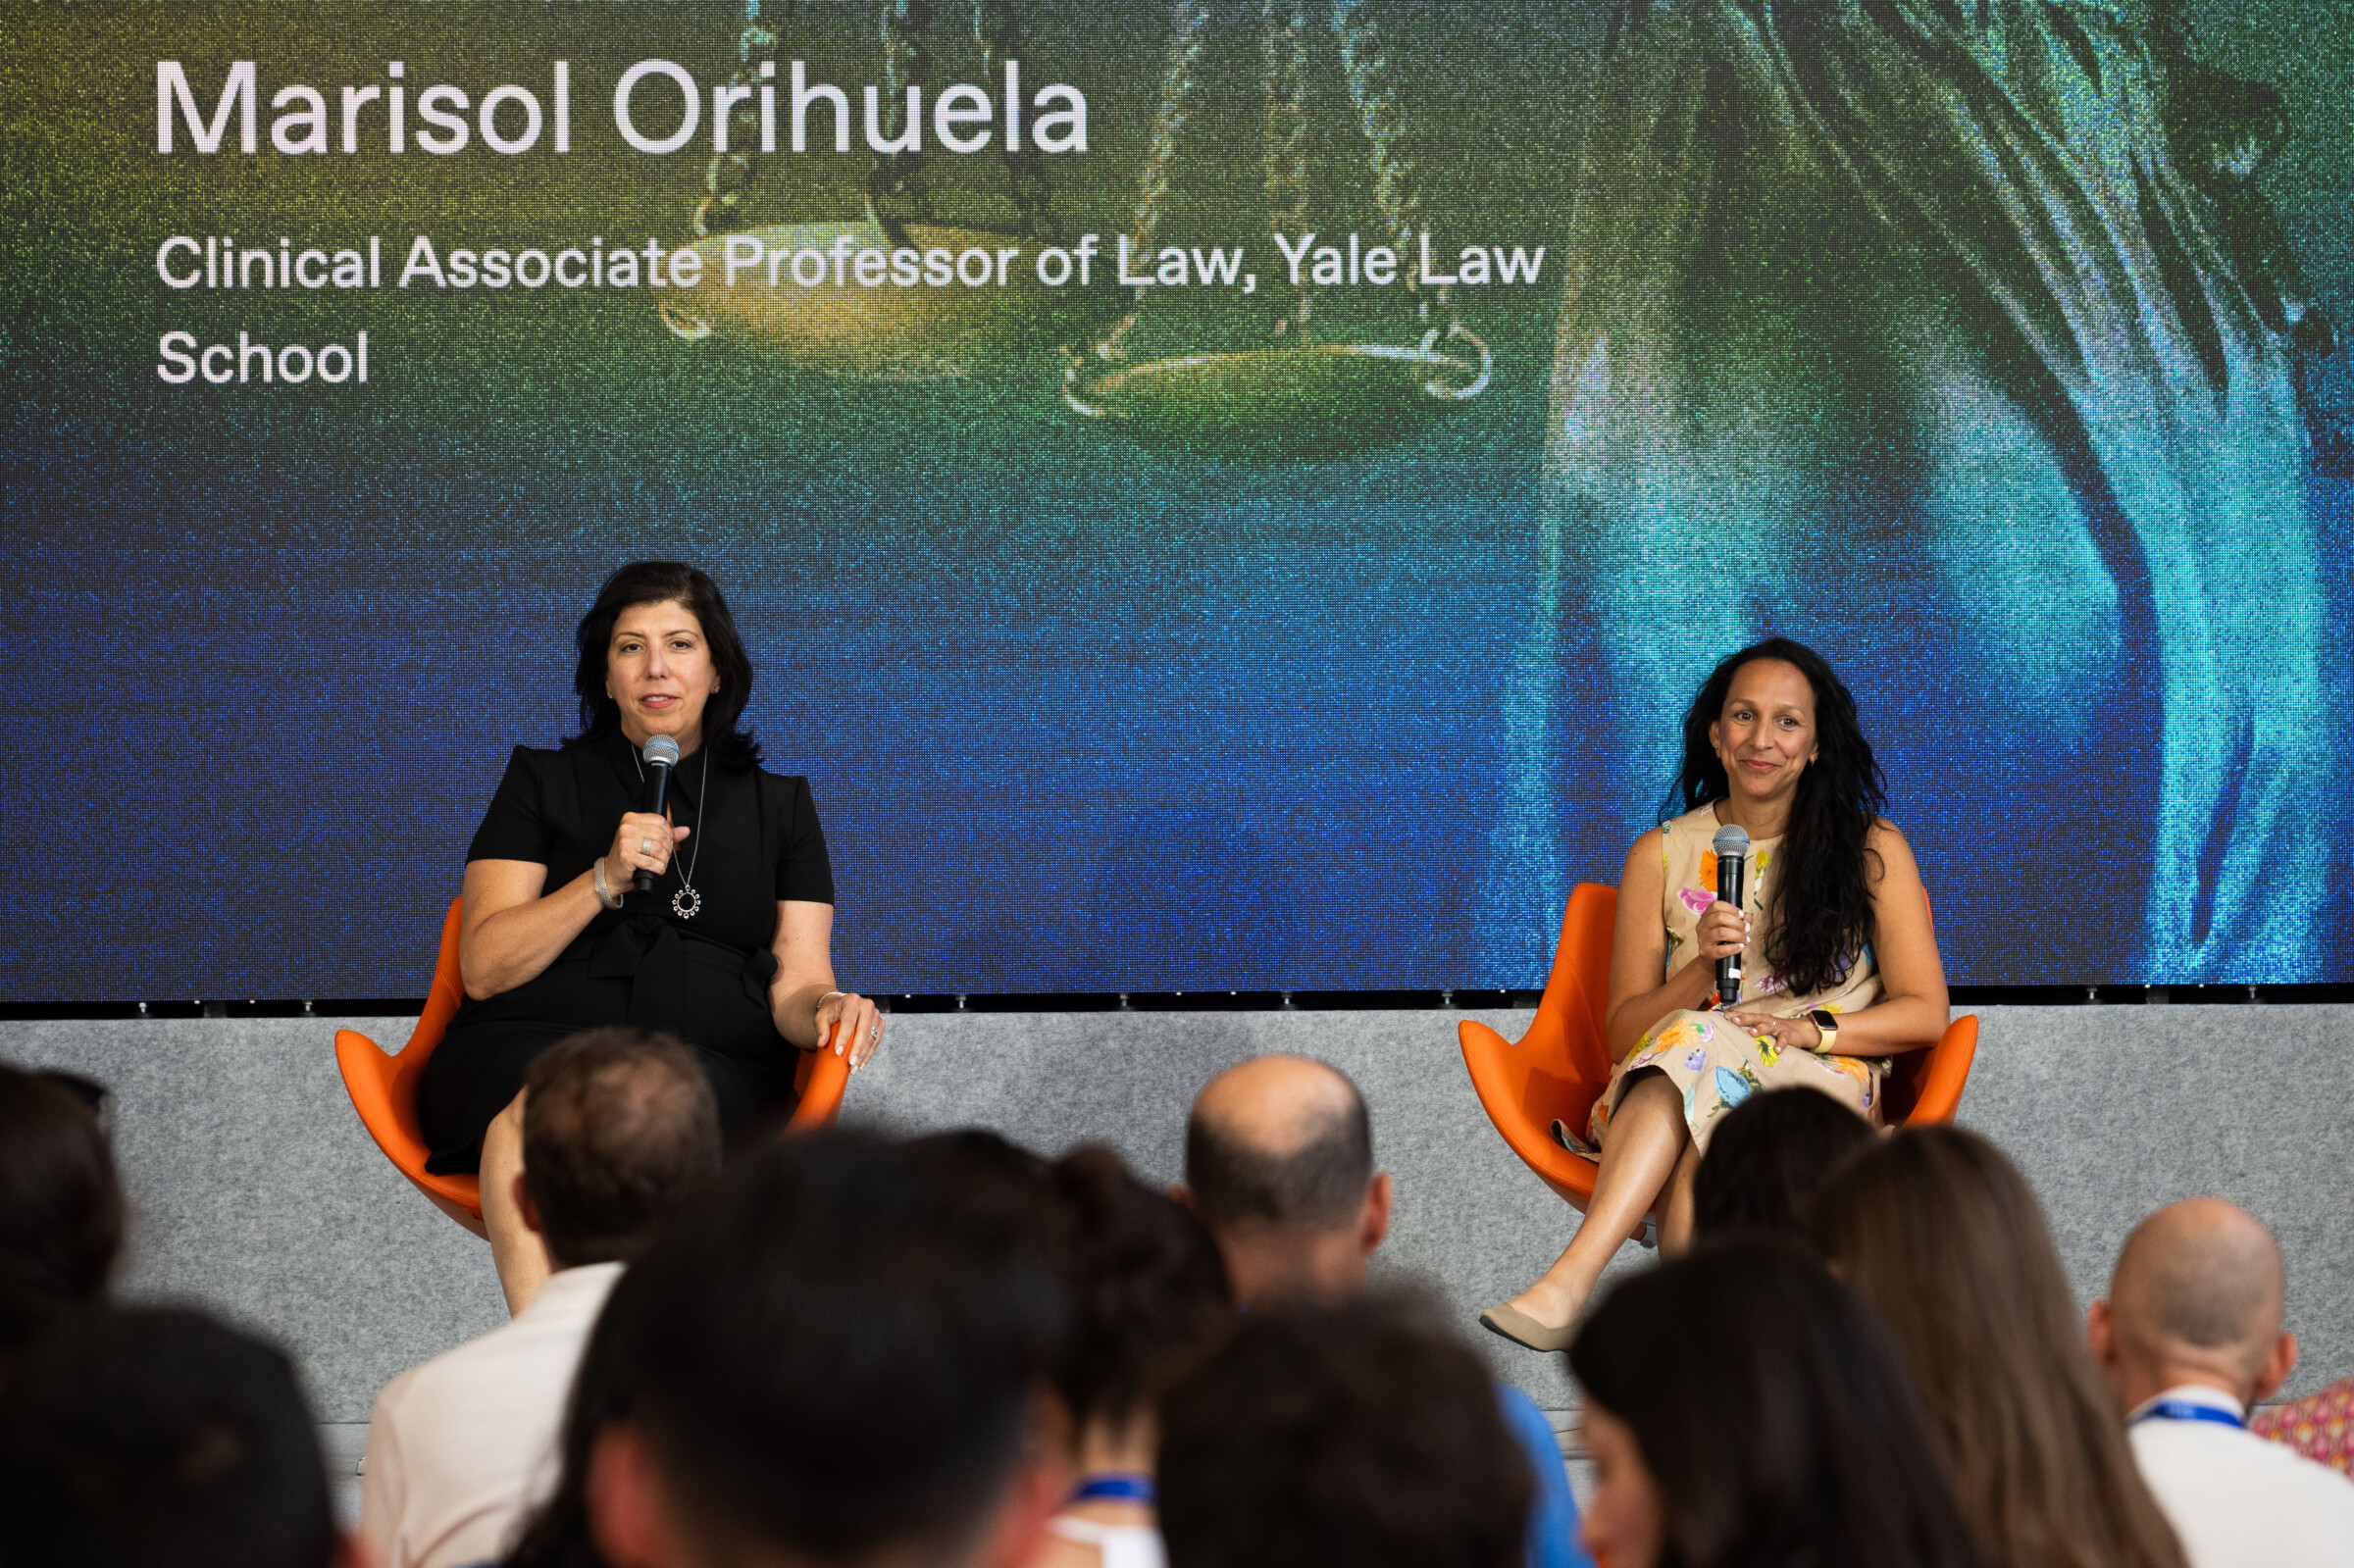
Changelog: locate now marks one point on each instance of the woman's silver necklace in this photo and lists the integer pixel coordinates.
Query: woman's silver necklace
(686, 903)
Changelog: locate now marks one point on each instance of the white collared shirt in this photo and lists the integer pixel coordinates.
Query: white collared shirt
(462, 1447)
(2236, 1500)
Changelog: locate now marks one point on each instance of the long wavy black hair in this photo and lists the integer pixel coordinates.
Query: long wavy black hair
(1822, 912)
(657, 582)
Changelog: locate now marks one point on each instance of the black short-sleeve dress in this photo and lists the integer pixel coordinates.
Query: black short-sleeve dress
(703, 978)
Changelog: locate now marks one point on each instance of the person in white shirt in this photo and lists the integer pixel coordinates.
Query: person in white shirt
(619, 1124)
(2191, 1339)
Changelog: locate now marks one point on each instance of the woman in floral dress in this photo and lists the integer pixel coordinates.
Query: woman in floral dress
(1841, 967)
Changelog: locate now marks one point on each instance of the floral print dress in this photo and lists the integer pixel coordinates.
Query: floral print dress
(1716, 1063)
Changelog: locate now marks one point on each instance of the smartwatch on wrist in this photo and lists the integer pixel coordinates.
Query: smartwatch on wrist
(1826, 1023)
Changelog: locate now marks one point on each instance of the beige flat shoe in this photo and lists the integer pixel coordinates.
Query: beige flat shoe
(1525, 1331)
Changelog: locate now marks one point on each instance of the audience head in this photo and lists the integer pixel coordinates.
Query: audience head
(1743, 1406)
(835, 1358)
(157, 1435)
(2197, 1298)
(1941, 1234)
(1149, 1288)
(990, 1168)
(1363, 1433)
(1766, 1154)
(61, 1203)
(1279, 1165)
(618, 1125)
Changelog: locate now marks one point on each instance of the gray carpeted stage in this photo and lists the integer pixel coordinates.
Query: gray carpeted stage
(257, 1192)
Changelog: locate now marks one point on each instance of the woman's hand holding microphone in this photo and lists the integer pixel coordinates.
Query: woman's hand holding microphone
(1722, 932)
(643, 842)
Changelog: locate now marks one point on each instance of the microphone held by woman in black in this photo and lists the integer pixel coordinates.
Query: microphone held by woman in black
(660, 754)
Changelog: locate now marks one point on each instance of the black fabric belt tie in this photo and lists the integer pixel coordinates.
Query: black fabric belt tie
(650, 953)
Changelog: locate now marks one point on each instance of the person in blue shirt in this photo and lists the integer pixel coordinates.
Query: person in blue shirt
(1279, 1166)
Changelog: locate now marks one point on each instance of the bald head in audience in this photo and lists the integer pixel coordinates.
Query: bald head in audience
(1279, 1166)
(2197, 1298)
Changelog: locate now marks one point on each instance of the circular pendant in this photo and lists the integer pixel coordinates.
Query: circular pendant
(686, 903)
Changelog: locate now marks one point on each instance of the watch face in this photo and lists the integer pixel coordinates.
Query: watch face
(1823, 1019)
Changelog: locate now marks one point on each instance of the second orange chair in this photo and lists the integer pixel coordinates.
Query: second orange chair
(1558, 1069)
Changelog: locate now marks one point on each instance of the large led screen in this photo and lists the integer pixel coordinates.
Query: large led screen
(1219, 496)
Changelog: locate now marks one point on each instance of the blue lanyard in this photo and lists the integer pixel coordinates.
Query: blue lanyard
(1125, 1488)
(2184, 1410)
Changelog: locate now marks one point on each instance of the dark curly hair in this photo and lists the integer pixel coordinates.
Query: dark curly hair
(1823, 914)
(1365, 1434)
(1148, 1284)
(61, 1203)
(656, 582)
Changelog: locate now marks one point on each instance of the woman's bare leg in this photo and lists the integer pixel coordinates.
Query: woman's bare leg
(1675, 1209)
(516, 1250)
(1641, 1153)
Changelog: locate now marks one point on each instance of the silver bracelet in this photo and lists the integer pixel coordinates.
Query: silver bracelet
(605, 896)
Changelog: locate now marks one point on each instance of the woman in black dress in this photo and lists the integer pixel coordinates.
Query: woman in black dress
(731, 949)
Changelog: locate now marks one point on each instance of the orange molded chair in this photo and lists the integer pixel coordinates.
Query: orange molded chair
(1558, 1069)
(383, 1086)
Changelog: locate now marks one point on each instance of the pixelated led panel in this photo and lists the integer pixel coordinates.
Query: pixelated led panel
(1211, 506)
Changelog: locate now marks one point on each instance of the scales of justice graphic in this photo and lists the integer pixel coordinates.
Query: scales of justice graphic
(1294, 398)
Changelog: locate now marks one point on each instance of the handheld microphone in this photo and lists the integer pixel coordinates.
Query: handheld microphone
(1731, 844)
(661, 754)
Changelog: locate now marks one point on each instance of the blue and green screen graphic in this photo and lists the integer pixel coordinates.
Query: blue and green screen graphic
(1219, 496)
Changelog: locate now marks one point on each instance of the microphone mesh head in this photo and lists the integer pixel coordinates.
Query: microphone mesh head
(1731, 840)
(663, 752)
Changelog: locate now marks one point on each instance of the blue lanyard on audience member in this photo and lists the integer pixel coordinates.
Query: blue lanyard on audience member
(2184, 1410)
(1124, 1487)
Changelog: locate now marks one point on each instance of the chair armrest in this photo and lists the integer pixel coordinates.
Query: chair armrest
(823, 1079)
(1523, 1100)
(1946, 1073)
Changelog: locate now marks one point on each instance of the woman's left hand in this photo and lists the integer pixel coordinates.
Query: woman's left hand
(847, 1020)
(1790, 1034)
